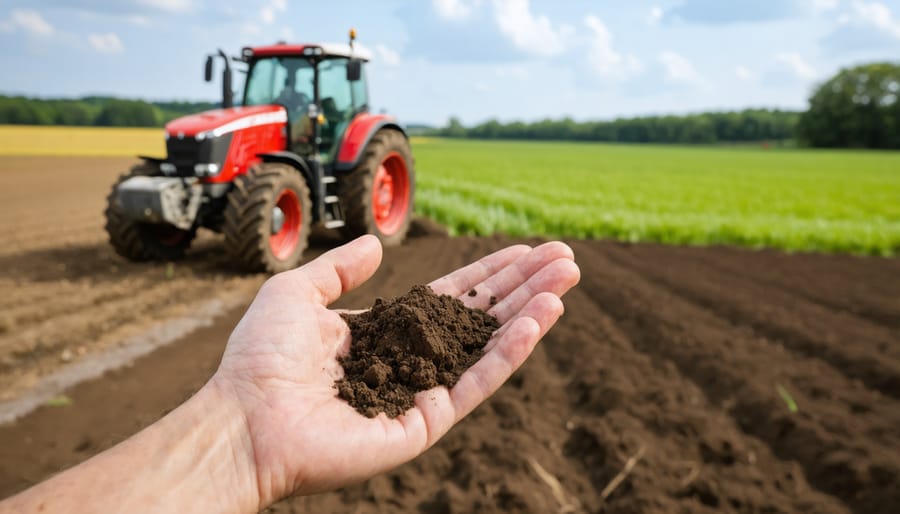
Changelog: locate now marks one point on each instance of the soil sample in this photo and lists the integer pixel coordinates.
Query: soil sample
(408, 344)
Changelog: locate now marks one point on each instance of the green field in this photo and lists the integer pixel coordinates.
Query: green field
(809, 200)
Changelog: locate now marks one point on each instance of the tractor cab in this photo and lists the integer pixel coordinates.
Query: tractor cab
(322, 88)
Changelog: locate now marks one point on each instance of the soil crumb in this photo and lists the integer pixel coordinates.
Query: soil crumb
(408, 344)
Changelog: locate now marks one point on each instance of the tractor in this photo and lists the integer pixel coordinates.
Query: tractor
(302, 149)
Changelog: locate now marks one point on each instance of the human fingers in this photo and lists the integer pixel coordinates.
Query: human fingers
(506, 355)
(333, 273)
(506, 280)
(463, 279)
(556, 277)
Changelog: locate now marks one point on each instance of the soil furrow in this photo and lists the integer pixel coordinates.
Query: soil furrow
(723, 361)
(875, 300)
(872, 358)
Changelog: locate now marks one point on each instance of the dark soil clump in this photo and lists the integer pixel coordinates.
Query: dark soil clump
(408, 344)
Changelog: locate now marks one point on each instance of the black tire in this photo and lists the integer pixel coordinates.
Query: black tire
(249, 214)
(355, 190)
(138, 241)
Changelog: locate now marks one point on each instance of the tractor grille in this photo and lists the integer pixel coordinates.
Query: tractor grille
(184, 153)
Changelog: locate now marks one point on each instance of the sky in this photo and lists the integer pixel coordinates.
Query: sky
(474, 59)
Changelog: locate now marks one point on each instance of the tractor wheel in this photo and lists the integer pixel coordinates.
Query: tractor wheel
(377, 196)
(267, 218)
(138, 241)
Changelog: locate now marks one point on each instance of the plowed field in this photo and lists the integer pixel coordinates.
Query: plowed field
(679, 379)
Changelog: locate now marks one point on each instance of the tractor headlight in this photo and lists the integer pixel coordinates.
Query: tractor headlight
(206, 169)
(167, 168)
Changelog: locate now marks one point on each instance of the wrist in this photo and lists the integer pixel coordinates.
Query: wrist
(229, 461)
(198, 458)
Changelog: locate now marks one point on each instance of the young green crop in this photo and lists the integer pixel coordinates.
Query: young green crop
(810, 200)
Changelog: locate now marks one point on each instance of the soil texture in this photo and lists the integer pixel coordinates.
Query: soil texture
(664, 387)
(407, 344)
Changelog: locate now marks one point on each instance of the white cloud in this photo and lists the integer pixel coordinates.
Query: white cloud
(655, 16)
(108, 43)
(249, 29)
(876, 15)
(32, 22)
(287, 34)
(514, 71)
(453, 9)
(535, 35)
(823, 5)
(140, 21)
(172, 6)
(387, 55)
(268, 12)
(796, 64)
(680, 70)
(603, 59)
(743, 73)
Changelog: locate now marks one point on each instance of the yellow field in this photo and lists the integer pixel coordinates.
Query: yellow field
(80, 141)
(90, 141)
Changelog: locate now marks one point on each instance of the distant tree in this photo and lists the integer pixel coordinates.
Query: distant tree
(455, 128)
(69, 112)
(128, 113)
(858, 107)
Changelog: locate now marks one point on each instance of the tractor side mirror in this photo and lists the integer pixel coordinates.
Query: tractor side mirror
(354, 70)
(207, 71)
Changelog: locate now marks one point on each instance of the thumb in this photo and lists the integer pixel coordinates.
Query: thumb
(332, 274)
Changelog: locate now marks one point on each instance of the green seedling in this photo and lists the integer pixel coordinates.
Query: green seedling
(787, 398)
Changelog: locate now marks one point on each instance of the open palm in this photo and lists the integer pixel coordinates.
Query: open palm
(281, 362)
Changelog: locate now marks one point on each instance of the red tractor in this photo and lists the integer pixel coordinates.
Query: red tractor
(302, 149)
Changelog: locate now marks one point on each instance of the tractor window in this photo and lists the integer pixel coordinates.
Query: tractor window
(360, 93)
(286, 81)
(336, 102)
(334, 90)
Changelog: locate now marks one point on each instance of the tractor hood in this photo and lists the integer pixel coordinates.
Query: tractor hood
(224, 121)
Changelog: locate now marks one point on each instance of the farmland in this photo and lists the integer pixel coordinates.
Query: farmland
(733, 380)
(833, 201)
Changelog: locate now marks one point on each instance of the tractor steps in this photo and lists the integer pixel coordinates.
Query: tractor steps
(334, 215)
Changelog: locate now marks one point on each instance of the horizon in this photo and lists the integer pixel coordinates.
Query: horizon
(509, 60)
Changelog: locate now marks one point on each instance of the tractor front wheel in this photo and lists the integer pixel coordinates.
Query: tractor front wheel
(267, 219)
(138, 241)
(377, 196)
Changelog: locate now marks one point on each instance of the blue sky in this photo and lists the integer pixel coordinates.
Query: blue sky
(476, 59)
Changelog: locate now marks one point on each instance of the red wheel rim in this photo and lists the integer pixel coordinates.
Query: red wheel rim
(284, 241)
(390, 194)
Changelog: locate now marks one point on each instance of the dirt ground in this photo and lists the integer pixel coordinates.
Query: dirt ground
(675, 367)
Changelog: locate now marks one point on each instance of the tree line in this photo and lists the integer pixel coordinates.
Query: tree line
(859, 107)
(94, 111)
(743, 126)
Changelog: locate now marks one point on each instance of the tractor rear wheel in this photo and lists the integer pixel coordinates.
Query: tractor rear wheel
(267, 218)
(138, 241)
(377, 196)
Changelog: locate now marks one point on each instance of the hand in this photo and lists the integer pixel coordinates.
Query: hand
(280, 365)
